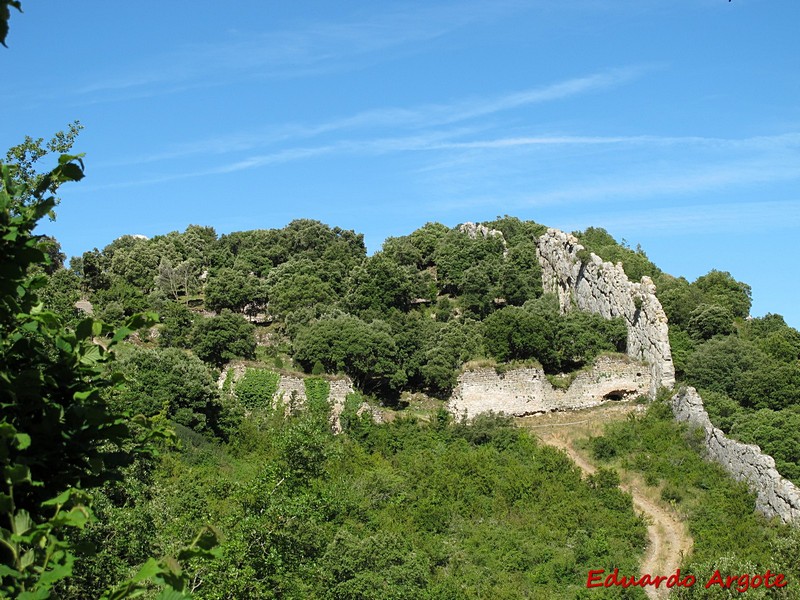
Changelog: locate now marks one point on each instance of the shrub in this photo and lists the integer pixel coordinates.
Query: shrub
(257, 388)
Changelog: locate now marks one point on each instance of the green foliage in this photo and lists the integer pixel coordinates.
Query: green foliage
(25, 157)
(364, 351)
(634, 262)
(708, 320)
(777, 432)
(679, 299)
(390, 511)
(57, 438)
(60, 294)
(176, 326)
(772, 335)
(172, 383)
(558, 342)
(418, 249)
(719, 287)
(220, 339)
(380, 284)
(741, 370)
(720, 511)
(257, 387)
(317, 392)
(719, 364)
(721, 409)
(682, 346)
(457, 253)
(521, 278)
(299, 284)
(234, 290)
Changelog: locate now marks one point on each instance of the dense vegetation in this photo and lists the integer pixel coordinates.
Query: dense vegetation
(141, 477)
(728, 534)
(405, 318)
(395, 511)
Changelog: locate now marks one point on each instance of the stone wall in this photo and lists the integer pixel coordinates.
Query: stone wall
(526, 391)
(292, 392)
(603, 288)
(775, 495)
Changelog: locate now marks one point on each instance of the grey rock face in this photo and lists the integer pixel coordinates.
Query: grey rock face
(526, 391)
(474, 230)
(603, 288)
(775, 495)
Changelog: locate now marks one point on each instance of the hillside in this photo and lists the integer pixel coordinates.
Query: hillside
(423, 505)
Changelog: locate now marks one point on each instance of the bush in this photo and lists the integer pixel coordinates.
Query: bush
(256, 388)
(317, 391)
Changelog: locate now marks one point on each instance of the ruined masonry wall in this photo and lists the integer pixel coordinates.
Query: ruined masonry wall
(292, 389)
(526, 391)
(775, 495)
(603, 288)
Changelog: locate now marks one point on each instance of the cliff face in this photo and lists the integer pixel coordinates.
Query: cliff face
(527, 391)
(775, 495)
(603, 288)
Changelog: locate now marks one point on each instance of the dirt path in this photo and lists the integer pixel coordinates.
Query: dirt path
(668, 535)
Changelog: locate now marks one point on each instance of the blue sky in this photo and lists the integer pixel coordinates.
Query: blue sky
(674, 125)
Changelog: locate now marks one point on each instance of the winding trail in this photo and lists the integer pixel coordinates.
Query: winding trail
(669, 538)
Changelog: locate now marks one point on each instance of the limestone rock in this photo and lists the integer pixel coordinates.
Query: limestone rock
(473, 230)
(775, 495)
(526, 391)
(603, 288)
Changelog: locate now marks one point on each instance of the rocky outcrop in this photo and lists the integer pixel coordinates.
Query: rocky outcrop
(775, 495)
(526, 391)
(584, 281)
(474, 230)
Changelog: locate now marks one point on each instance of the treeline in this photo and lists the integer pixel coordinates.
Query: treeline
(409, 316)
(406, 318)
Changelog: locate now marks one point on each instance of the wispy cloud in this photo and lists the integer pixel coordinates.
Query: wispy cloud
(672, 180)
(415, 118)
(787, 140)
(295, 52)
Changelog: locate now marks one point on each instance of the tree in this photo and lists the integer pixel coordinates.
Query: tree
(719, 287)
(634, 262)
(177, 322)
(346, 344)
(299, 284)
(60, 294)
(26, 156)
(5, 15)
(223, 338)
(521, 274)
(379, 285)
(234, 290)
(57, 438)
(172, 383)
(720, 363)
(708, 320)
(516, 334)
(172, 280)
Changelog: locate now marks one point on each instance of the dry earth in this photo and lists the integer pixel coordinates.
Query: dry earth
(669, 538)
